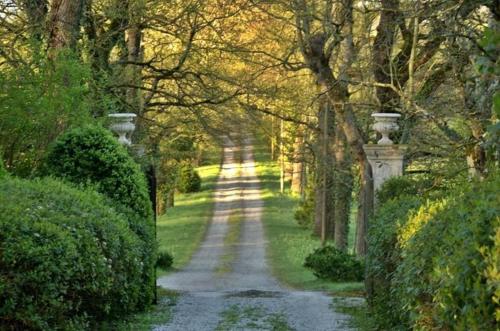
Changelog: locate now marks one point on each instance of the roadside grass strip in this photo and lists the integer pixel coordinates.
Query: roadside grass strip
(182, 228)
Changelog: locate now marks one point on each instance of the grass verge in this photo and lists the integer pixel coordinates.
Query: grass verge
(360, 315)
(182, 228)
(289, 244)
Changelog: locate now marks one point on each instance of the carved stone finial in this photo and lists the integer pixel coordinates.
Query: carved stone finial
(385, 123)
(123, 126)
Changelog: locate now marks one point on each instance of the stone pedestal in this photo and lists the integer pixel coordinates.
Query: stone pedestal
(386, 162)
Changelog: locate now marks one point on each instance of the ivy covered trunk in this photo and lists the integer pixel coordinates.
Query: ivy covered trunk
(343, 190)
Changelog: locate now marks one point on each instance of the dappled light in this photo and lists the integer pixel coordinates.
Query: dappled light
(306, 165)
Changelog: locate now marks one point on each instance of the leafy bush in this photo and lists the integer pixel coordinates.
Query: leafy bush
(384, 256)
(333, 264)
(164, 260)
(402, 185)
(91, 156)
(189, 179)
(445, 280)
(304, 214)
(67, 258)
(40, 99)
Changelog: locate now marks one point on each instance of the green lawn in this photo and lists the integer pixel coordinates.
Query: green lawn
(289, 244)
(181, 229)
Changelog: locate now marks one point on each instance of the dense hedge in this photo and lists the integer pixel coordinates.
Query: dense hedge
(66, 258)
(91, 156)
(402, 185)
(445, 280)
(384, 256)
(436, 267)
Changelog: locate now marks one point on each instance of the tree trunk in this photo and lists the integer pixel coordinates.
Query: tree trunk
(64, 25)
(353, 135)
(383, 67)
(36, 11)
(317, 58)
(343, 190)
(298, 167)
(134, 78)
(324, 224)
(338, 95)
(134, 39)
(282, 159)
(102, 41)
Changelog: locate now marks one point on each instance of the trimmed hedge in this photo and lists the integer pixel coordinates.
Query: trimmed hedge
(447, 279)
(91, 156)
(67, 258)
(402, 185)
(436, 267)
(383, 258)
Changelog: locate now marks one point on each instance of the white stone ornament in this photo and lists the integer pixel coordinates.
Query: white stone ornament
(385, 123)
(386, 158)
(124, 126)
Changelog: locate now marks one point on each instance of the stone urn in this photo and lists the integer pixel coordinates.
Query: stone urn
(123, 125)
(385, 124)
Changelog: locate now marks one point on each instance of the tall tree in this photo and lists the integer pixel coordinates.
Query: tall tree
(36, 11)
(64, 23)
(318, 49)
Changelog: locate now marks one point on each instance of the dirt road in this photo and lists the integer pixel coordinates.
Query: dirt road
(228, 285)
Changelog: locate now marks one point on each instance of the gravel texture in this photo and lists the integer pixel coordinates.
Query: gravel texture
(246, 296)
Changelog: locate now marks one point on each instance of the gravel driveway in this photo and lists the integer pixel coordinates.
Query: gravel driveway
(244, 295)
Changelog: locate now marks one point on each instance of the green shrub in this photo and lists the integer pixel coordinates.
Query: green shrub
(384, 256)
(164, 260)
(445, 280)
(304, 213)
(91, 156)
(66, 258)
(189, 179)
(403, 185)
(333, 264)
